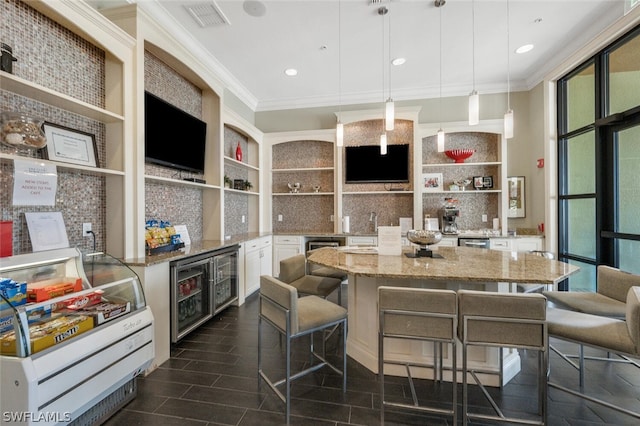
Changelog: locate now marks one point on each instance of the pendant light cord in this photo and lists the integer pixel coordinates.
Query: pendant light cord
(339, 61)
(508, 62)
(440, 76)
(473, 42)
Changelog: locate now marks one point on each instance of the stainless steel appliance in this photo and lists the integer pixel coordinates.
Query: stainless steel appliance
(319, 243)
(474, 242)
(449, 215)
(202, 286)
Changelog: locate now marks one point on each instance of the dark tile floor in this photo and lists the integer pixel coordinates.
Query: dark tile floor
(211, 379)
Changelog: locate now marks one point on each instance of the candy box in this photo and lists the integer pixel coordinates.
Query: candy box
(14, 291)
(75, 303)
(49, 333)
(48, 289)
(106, 311)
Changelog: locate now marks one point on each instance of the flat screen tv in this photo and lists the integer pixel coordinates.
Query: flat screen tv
(173, 138)
(365, 164)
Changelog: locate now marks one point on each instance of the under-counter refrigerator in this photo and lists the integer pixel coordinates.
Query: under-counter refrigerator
(201, 286)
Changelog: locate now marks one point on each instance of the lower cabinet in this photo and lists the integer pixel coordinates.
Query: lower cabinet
(362, 241)
(285, 246)
(257, 261)
(529, 244)
(504, 244)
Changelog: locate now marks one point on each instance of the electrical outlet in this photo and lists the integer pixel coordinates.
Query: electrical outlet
(243, 218)
(279, 218)
(484, 217)
(331, 218)
(86, 229)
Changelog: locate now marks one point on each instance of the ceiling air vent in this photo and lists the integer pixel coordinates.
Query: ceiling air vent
(207, 14)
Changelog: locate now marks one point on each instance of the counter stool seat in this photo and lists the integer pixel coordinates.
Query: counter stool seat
(620, 336)
(609, 299)
(295, 317)
(511, 320)
(418, 314)
(325, 271)
(293, 272)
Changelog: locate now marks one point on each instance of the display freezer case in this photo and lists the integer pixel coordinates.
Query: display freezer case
(72, 346)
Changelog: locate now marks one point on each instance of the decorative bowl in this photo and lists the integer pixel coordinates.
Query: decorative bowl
(459, 155)
(424, 237)
(20, 130)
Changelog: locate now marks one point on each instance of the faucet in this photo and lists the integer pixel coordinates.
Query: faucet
(373, 217)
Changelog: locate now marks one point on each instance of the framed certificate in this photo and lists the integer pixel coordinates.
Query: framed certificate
(70, 146)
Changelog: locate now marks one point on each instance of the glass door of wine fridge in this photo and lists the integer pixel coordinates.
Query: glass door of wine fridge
(225, 285)
(190, 296)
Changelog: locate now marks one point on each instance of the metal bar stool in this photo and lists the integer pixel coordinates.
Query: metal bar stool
(421, 315)
(295, 317)
(621, 337)
(503, 320)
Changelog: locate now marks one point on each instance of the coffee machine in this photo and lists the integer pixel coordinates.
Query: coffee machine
(449, 214)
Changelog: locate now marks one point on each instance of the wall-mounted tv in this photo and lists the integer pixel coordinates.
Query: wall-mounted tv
(365, 164)
(173, 138)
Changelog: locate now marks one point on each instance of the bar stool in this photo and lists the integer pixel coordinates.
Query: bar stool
(293, 271)
(608, 301)
(295, 317)
(503, 320)
(421, 315)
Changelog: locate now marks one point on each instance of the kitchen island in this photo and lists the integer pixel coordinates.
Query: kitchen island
(459, 268)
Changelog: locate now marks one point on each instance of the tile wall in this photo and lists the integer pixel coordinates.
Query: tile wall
(56, 58)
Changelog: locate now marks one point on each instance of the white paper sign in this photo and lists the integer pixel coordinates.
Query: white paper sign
(34, 184)
(184, 234)
(46, 230)
(389, 241)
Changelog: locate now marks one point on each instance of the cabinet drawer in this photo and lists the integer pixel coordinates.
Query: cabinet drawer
(264, 242)
(362, 241)
(286, 239)
(501, 244)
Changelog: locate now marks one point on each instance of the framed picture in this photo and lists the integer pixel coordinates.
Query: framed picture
(516, 196)
(432, 182)
(478, 182)
(487, 182)
(70, 146)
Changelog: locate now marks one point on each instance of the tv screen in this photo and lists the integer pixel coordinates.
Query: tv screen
(173, 137)
(365, 164)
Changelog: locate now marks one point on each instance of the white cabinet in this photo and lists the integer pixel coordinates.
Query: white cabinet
(447, 242)
(362, 241)
(257, 262)
(528, 243)
(504, 244)
(285, 246)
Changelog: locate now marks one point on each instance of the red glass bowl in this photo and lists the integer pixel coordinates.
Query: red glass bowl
(459, 155)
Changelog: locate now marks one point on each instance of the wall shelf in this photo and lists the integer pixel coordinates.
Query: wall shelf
(240, 191)
(43, 94)
(298, 194)
(303, 169)
(235, 162)
(98, 171)
(482, 163)
(179, 182)
(378, 192)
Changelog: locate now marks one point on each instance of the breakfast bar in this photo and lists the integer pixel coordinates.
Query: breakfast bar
(458, 268)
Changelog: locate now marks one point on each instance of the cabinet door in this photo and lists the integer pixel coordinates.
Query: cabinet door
(252, 271)
(529, 244)
(266, 261)
(283, 251)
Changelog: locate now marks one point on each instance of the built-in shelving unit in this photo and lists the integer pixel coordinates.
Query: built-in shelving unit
(178, 182)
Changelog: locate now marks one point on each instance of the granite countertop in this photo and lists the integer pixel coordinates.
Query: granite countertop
(195, 248)
(456, 264)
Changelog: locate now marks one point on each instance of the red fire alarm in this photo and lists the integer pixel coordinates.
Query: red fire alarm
(540, 163)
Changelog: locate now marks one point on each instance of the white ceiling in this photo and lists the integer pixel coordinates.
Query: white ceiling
(349, 63)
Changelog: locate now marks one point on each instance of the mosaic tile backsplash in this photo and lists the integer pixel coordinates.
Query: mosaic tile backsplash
(54, 57)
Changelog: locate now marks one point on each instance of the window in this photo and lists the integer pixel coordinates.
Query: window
(599, 159)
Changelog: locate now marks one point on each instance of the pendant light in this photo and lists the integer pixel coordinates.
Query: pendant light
(339, 125)
(383, 137)
(440, 136)
(508, 116)
(389, 105)
(474, 98)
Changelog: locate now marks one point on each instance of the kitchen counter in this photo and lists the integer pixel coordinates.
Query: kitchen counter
(459, 268)
(195, 248)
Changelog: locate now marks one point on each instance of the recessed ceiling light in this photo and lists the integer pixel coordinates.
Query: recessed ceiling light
(291, 72)
(524, 48)
(398, 61)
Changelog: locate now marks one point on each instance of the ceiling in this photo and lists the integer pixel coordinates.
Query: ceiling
(342, 49)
